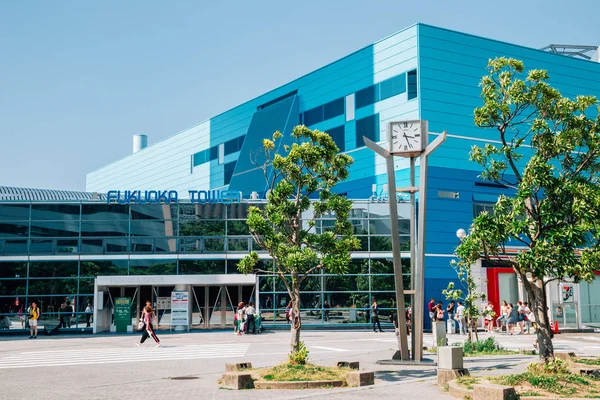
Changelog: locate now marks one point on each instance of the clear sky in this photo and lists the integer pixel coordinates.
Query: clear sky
(79, 78)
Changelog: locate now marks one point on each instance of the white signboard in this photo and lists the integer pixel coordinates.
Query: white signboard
(179, 309)
(164, 303)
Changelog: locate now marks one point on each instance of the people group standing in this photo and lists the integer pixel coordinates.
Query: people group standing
(246, 319)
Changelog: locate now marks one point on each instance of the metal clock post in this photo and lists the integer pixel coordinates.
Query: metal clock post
(408, 139)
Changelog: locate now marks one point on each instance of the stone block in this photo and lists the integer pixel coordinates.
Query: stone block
(446, 375)
(439, 334)
(360, 378)
(348, 364)
(564, 355)
(238, 366)
(488, 391)
(450, 357)
(236, 381)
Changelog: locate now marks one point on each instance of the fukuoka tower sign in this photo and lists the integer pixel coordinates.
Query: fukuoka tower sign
(172, 197)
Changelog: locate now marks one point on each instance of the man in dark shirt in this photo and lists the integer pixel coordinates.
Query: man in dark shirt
(375, 316)
(430, 306)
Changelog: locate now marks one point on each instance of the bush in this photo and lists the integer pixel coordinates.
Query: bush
(299, 357)
(488, 345)
(552, 367)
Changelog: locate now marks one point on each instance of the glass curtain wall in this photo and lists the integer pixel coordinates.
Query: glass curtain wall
(148, 240)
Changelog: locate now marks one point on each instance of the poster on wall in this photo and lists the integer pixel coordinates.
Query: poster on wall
(179, 309)
(164, 303)
(567, 293)
(122, 313)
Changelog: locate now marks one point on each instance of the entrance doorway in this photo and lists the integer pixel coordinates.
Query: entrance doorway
(214, 306)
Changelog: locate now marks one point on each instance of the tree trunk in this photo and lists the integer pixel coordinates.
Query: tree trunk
(296, 321)
(470, 327)
(537, 289)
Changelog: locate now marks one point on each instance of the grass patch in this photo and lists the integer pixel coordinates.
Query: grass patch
(486, 347)
(552, 378)
(588, 361)
(530, 393)
(467, 381)
(307, 372)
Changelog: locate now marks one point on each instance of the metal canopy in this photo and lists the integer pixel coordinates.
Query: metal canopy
(571, 50)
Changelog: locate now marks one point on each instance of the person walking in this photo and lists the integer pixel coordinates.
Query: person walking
(521, 317)
(147, 317)
(489, 316)
(375, 316)
(70, 314)
(34, 315)
(450, 311)
(239, 316)
(21, 317)
(439, 311)
(511, 320)
(326, 311)
(503, 316)
(460, 318)
(88, 314)
(250, 311)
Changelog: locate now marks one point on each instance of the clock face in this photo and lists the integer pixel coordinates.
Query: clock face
(406, 137)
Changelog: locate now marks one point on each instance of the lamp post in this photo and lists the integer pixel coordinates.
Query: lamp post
(461, 234)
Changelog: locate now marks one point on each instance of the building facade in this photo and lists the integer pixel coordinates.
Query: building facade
(421, 72)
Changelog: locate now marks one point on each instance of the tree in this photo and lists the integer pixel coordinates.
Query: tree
(301, 179)
(547, 157)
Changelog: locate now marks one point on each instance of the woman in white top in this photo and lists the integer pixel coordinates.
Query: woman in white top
(503, 316)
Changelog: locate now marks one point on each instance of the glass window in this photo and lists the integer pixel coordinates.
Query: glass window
(382, 226)
(333, 109)
(63, 286)
(233, 145)
(393, 86)
(86, 286)
(201, 157)
(54, 228)
(104, 268)
(368, 127)
(41, 246)
(53, 269)
(338, 136)
(92, 246)
(15, 246)
(412, 84)
(14, 228)
(347, 283)
(381, 243)
(202, 228)
(478, 208)
(67, 246)
(165, 245)
(228, 171)
(105, 228)
(214, 245)
(237, 228)
(187, 212)
(13, 269)
(11, 212)
(190, 245)
(153, 228)
(153, 211)
(142, 245)
(12, 287)
(153, 267)
(116, 245)
(54, 211)
(366, 96)
(313, 116)
(238, 244)
(214, 153)
(240, 210)
(190, 267)
(108, 212)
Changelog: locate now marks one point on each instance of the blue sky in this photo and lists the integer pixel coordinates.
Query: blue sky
(78, 79)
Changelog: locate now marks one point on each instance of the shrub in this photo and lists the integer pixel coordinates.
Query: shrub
(299, 357)
(552, 367)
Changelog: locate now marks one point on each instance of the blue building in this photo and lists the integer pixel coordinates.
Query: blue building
(422, 72)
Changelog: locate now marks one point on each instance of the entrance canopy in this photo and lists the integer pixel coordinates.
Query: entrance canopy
(136, 280)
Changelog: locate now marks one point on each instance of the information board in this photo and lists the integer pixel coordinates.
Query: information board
(164, 303)
(122, 313)
(179, 309)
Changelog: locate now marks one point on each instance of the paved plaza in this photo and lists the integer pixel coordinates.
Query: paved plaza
(111, 366)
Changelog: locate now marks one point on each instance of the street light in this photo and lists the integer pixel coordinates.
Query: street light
(461, 234)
